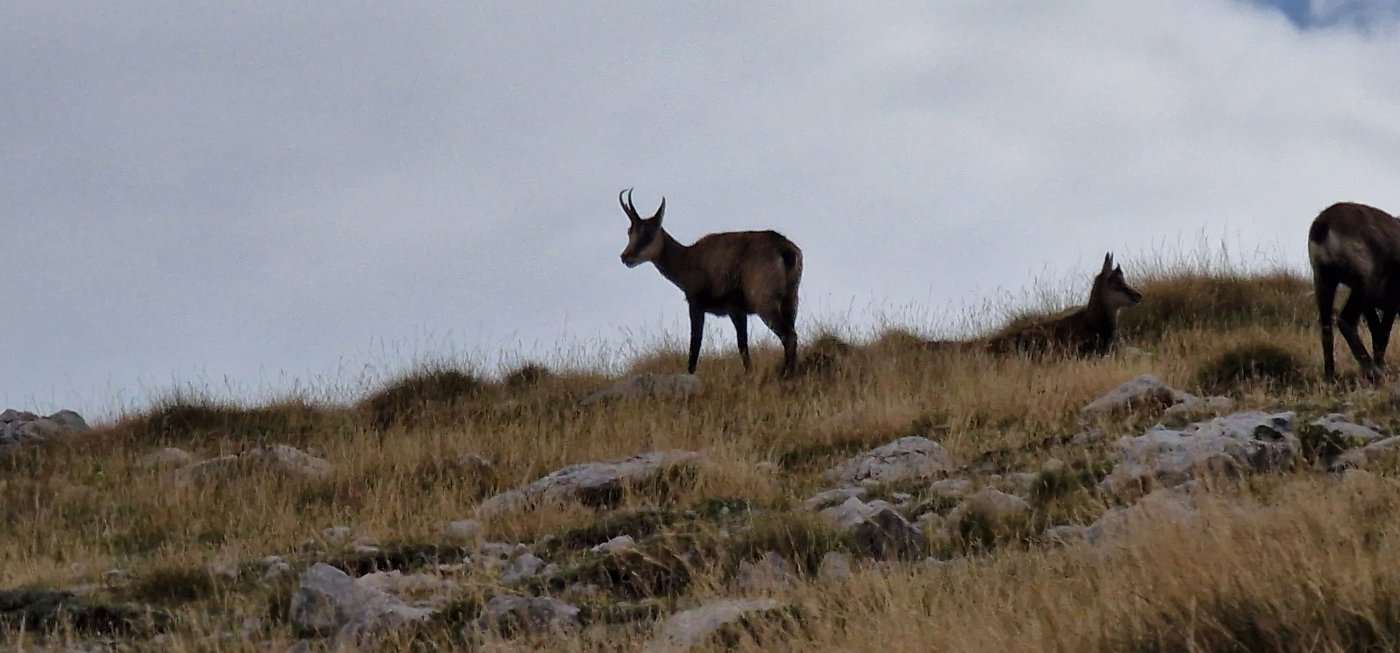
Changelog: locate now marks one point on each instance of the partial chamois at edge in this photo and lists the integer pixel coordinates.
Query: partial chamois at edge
(1357, 246)
(737, 273)
(1091, 330)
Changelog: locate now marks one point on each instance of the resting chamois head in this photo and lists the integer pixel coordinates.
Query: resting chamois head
(1111, 289)
(643, 235)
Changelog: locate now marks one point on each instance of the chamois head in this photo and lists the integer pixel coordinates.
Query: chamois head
(1112, 289)
(643, 234)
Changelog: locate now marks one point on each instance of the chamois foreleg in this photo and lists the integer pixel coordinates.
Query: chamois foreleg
(1347, 322)
(697, 335)
(741, 332)
(1325, 291)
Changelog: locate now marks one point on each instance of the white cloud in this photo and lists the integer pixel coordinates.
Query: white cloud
(256, 195)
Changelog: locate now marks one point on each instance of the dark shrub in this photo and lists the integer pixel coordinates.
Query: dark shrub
(1256, 362)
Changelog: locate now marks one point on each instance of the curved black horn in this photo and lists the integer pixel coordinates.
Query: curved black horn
(630, 211)
(661, 210)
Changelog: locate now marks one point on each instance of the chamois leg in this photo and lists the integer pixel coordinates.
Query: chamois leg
(1380, 335)
(697, 334)
(1347, 323)
(741, 331)
(1326, 293)
(783, 325)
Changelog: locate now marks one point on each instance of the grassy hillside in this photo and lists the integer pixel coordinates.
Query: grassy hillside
(1300, 561)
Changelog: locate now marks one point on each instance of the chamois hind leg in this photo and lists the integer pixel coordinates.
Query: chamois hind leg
(741, 332)
(1326, 295)
(783, 323)
(1380, 335)
(697, 333)
(1347, 322)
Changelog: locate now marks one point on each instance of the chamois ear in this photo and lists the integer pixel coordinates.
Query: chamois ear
(660, 211)
(1108, 262)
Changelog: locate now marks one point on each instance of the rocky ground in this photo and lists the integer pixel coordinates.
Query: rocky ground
(976, 505)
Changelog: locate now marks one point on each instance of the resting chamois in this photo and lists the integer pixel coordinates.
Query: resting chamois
(1357, 246)
(1089, 331)
(735, 273)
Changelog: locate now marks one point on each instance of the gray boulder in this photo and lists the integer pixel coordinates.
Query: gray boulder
(1157, 507)
(19, 427)
(655, 386)
(686, 630)
(1146, 391)
(835, 567)
(536, 615)
(887, 535)
(1249, 441)
(771, 572)
(330, 603)
(279, 459)
(522, 567)
(908, 458)
(594, 484)
(1371, 455)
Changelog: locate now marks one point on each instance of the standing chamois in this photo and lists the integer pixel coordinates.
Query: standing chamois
(736, 273)
(1358, 246)
(1088, 331)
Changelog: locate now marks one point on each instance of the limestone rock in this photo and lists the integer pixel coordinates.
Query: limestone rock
(537, 615)
(616, 545)
(907, 458)
(770, 572)
(1156, 507)
(279, 459)
(887, 535)
(593, 484)
(522, 567)
(329, 602)
(686, 630)
(1378, 452)
(1146, 391)
(18, 427)
(1241, 442)
(835, 567)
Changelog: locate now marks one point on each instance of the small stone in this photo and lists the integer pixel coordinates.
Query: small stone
(616, 545)
(115, 578)
(337, 533)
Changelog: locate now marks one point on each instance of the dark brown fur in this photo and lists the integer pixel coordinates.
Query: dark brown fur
(1090, 330)
(738, 273)
(1357, 246)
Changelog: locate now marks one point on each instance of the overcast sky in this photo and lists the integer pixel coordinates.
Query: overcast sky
(245, 197)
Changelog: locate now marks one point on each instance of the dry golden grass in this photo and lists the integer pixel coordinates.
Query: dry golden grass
(1300, 562)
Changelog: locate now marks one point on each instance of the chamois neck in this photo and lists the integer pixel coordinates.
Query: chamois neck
(674, 260)
(1098, 313)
